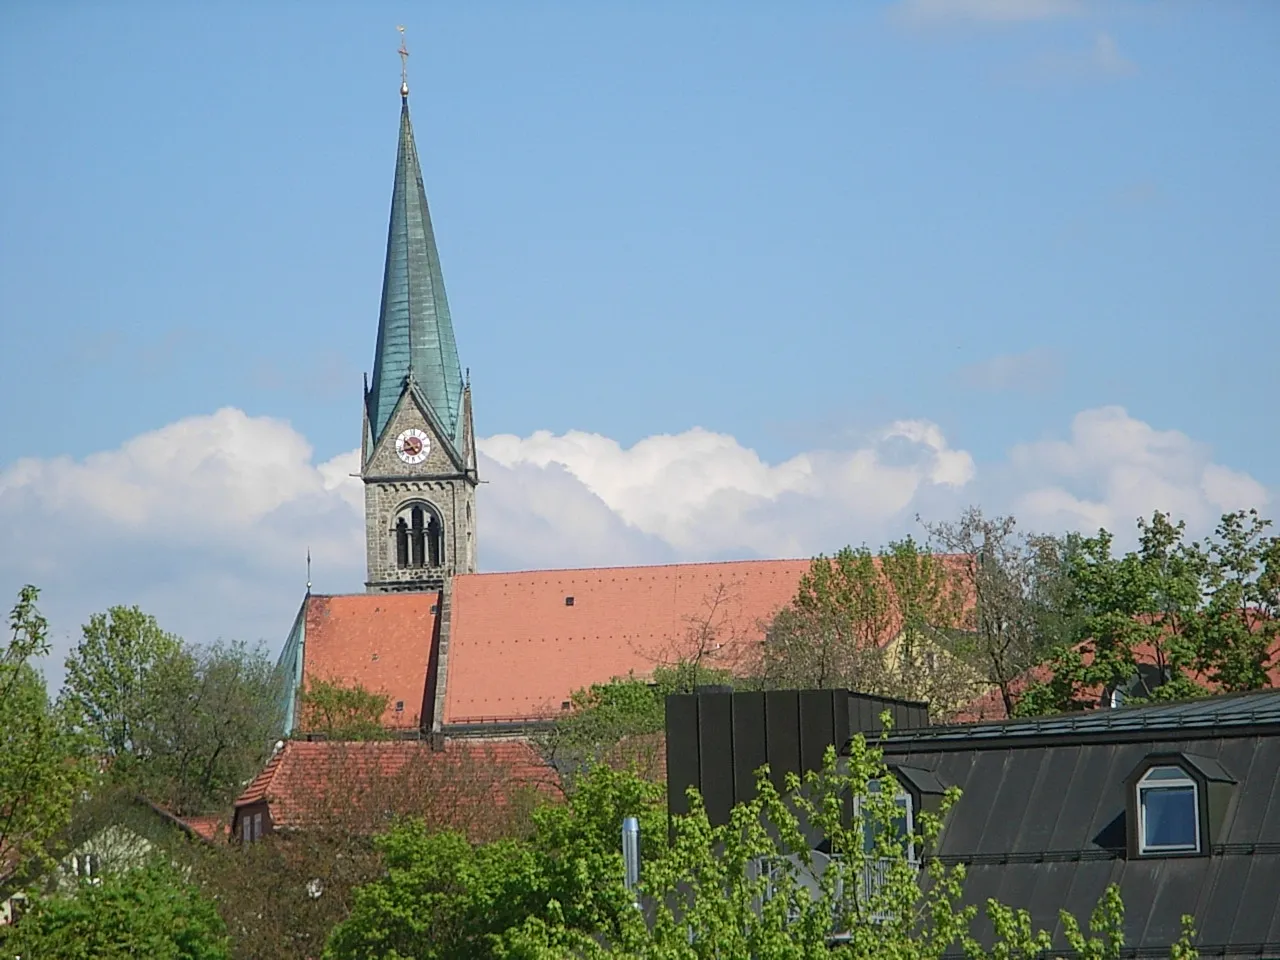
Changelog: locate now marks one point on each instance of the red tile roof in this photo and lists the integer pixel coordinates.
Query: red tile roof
(382, 642)
(517, 649)
(211, 826)
(308, 783)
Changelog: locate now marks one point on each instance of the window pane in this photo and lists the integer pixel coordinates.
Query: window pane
(1169, 817)
(1165, 773)
(901, 822)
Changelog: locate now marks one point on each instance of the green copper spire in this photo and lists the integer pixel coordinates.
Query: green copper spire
(415, 334)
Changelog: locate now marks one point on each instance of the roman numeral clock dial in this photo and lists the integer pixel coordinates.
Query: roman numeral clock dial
(413, 445)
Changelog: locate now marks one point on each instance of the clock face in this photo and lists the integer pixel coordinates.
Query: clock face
(413, 446)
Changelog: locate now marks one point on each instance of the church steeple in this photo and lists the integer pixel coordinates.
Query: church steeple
(419, 457)
(416, 346)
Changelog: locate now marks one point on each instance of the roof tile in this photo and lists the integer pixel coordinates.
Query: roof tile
(209, 826)
(382, 642)
(518, 648)
(310, 782)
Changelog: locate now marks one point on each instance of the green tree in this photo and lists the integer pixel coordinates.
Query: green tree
(343, 711)
(1142, 603)
(620, 722)
(928, 604)
(442, 897)
(1019, 592)
(1200, 613)
(185, 725)
(881, 623)
(150, 912)
(41, 772)
(208, 723)
(1236, 634)
(109, 688)
(753, 889)
(831, 633)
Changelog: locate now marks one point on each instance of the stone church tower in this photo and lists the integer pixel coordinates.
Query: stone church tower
(418, 452)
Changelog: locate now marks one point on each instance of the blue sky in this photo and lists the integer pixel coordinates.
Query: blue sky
(791, 226)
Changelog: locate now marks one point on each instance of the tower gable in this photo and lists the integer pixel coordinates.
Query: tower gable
(411, 413)
(419, 516)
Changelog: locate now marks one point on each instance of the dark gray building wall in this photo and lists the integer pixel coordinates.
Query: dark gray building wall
(717, 740)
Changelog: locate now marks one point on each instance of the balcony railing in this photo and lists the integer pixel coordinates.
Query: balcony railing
(874, 874)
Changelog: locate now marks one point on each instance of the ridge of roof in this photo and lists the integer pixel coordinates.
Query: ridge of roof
(371, 597)
(756, 561)
(1243, 709)
(257, 789)
(681, 564)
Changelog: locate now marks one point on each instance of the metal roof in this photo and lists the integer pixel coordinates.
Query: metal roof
(1224, 712)
(416, 345)
(1041, 821)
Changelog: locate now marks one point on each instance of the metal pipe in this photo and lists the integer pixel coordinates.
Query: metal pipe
(631, 853)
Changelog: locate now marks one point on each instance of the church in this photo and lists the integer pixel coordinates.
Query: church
(457, 652)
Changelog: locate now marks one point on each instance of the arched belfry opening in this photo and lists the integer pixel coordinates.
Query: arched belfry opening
(419, 536)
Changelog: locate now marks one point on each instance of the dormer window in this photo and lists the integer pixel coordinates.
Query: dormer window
(901, 827)
(1176, 806)
(1168, 811)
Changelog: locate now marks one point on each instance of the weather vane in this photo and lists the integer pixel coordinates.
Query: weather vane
(404, 65)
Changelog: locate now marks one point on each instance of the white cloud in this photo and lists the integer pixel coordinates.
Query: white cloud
(226, 478)
(1114, 469)
(704, 494)
(206, 522)
(932, 12)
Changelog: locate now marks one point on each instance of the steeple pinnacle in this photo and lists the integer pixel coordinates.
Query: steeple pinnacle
(416, 349)
(404, 66)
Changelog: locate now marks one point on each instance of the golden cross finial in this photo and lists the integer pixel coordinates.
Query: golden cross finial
(404, 65)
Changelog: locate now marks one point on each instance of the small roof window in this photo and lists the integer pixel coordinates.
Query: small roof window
(1168, 811)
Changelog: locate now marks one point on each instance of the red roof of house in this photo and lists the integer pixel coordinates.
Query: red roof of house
(382, 642)
(518, 647)
(209, 826)
(310, 782)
